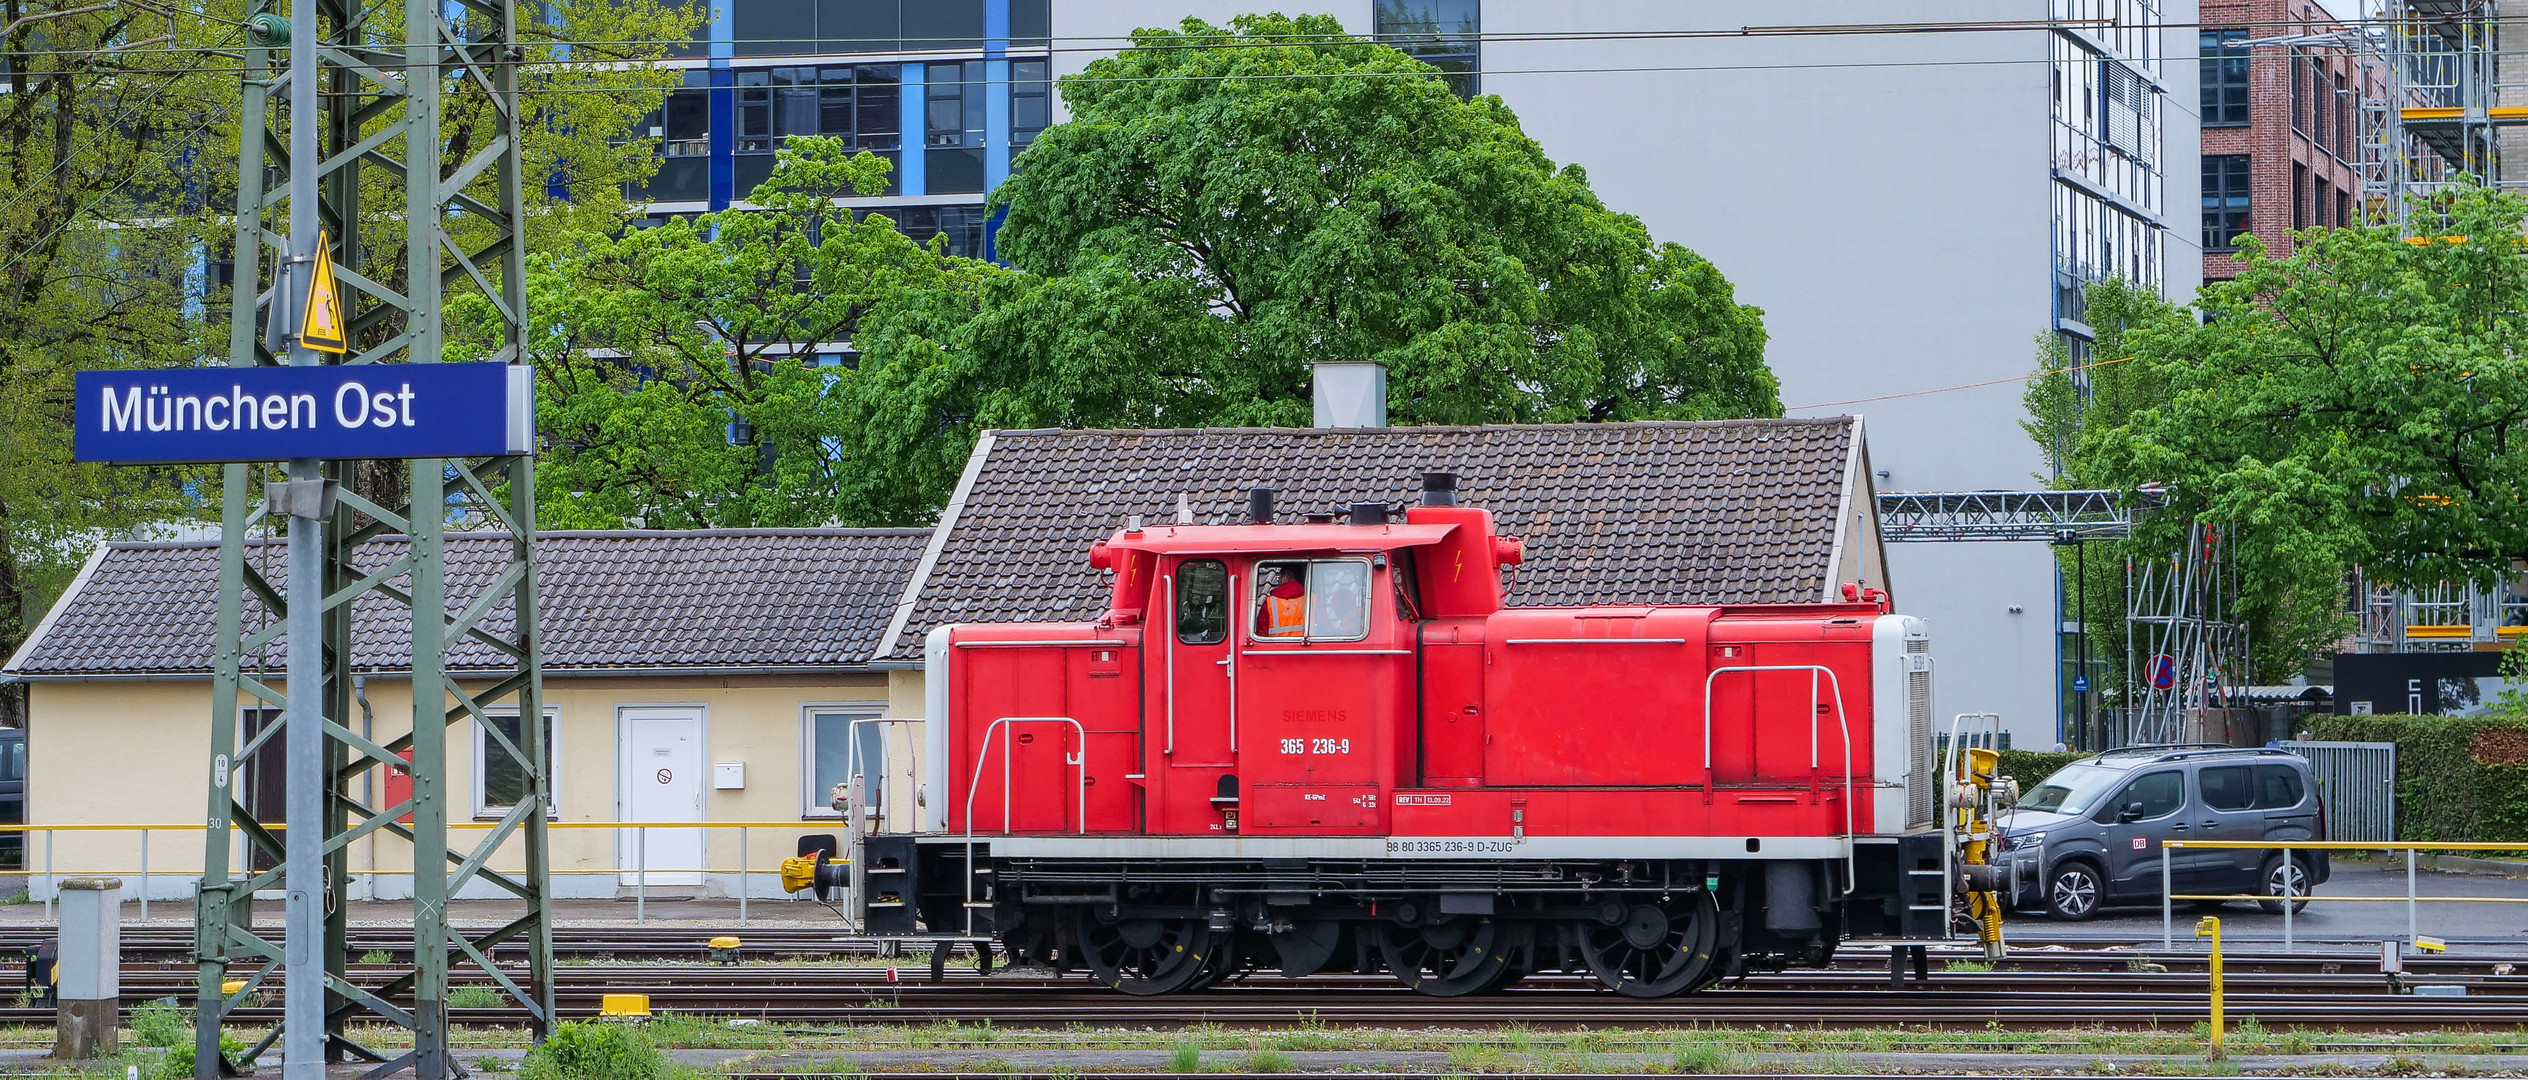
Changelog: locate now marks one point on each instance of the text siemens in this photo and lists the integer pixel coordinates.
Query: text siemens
(354, 406)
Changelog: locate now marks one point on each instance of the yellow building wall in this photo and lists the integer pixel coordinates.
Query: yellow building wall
(133, 753)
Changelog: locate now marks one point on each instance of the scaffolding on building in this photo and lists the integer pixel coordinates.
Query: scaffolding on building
(2187, 645)
(2439, 102)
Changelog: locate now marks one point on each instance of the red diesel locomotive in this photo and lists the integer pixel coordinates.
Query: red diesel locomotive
(1330, 747)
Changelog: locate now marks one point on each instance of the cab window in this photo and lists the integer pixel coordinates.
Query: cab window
(2227, 787)
(1202, 602)
(2160, 794)
(2278, 787)
(1312, 599)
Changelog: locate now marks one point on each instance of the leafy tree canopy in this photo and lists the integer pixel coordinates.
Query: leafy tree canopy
(118, 164)
(675, 365)
(1228, 205)
(2356, 404)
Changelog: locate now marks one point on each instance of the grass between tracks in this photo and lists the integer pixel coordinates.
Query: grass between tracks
(1508, 1050)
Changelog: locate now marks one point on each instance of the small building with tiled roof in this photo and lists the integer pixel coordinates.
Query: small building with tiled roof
(770, 652)
(689, 675)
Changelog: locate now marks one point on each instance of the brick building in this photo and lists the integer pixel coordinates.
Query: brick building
(2281, 126)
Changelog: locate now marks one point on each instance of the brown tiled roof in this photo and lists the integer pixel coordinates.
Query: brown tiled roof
(1733, 511)
(611, 601)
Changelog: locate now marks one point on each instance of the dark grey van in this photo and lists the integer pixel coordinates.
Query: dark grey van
(2089, 836)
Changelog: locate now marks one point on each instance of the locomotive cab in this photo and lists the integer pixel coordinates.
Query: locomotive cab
(1330, 746)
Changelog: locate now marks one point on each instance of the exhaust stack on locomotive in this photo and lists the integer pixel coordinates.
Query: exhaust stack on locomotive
(1331, 747)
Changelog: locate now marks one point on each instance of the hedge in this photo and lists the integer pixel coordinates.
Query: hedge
(2031, 767)
(2458, 778)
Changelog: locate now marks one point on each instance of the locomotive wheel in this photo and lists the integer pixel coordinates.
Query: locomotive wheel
(1147, 956)
(1654, 950)
(1227, 957)
(1452, 958)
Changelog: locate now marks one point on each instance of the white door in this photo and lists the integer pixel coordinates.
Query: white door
(661, 781)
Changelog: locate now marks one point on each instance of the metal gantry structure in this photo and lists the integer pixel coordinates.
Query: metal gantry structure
(2009, 515)
(2185, 650)
(341, 136)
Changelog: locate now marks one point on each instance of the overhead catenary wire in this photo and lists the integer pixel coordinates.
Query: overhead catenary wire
(1962, 386)
(1109, 43)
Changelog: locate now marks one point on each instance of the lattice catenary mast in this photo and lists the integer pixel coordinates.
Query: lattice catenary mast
(343, 100)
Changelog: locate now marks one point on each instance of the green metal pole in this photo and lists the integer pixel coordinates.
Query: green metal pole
(429, 771)
(213, 898)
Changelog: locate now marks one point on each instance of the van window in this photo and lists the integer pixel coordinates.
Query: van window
(1202, 602)
(2278, 787)
(2160, 794)
(2227, 787)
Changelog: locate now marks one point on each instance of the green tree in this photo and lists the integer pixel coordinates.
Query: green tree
(675, 377)
(2356, 404)
(1228, 205)
(99, 148)
(118, 159)
(2064, 402)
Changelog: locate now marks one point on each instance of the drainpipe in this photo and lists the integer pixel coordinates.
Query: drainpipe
(368, 778)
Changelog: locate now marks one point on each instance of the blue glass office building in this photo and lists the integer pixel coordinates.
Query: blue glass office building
(947, 90)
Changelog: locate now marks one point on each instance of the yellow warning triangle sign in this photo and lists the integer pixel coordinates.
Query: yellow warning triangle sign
(321, 328)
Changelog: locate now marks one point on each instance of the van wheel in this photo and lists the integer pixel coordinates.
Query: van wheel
(2279, 873)
(2073, 892)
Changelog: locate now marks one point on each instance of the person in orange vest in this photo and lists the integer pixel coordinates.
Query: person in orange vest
(1284, 612)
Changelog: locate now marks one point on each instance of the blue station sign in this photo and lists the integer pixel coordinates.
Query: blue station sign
(329, 411)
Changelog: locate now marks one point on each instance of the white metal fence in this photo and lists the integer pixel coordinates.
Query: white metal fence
(2358, 782)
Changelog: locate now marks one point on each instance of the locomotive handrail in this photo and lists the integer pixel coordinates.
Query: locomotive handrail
(1085, 643)
(1594, 641)
(1843, 721)
(1237, 633)
(1328, 652)
(1170, 643)
(976, 782)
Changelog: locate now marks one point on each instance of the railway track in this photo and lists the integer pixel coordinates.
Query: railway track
(166, 945)
(2013, 999)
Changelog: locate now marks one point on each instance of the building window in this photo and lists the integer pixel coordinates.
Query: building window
(2344, 134)
(2300, 97)
(1030, 100)
(682, 125)
(830, 735)
(802, 27)
(1030, 24)
(935, 25)
(857, 104)
(2224, 77)
(773, 27)
(962, 225)
(953, 115)
(1445, 34)
(2299, 196)
(2131, 117)
(2225, 200)
(499, 781)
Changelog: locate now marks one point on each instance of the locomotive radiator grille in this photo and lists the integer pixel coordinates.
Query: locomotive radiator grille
(1925, 786)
